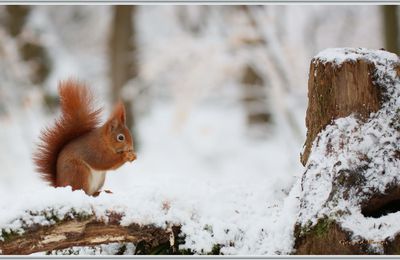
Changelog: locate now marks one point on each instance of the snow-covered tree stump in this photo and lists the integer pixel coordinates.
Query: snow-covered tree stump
(350, 191)
(336, 91)
(88, 230)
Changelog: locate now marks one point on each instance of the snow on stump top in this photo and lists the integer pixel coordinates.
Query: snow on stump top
(350, 197)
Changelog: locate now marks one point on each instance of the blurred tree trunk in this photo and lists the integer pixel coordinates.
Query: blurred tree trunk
(122, 59)
(16, 18)
(31, 47)
(391, 25)
(34, 61)
(254, 85)
(255, 98)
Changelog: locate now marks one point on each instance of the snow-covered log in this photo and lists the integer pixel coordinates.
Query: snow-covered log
(88, 230)
(350, 197)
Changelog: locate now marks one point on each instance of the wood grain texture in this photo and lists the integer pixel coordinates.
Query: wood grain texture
(338, 91)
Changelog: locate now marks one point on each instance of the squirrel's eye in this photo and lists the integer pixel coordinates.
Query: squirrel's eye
(120, 137)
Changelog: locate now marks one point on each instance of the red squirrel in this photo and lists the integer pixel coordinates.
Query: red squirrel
(76, 151)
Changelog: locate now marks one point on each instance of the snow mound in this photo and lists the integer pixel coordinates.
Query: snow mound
(352, 160)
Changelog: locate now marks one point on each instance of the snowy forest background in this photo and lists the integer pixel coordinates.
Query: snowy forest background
(217, 97)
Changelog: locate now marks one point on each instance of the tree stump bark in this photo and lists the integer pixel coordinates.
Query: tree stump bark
(338, 91)
(332, 241)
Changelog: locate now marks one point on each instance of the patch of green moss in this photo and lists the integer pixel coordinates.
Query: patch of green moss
(8, 235)
(302, 230)
(185, 251)
(80, 215)
(142, 248)
(319, 229)
(322, 227)
(216, 250)
(208, 228)
(51, 216)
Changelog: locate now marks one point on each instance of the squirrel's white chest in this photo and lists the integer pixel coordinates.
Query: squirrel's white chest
(96, 180)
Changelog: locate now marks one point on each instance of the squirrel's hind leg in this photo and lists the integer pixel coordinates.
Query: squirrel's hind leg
(76, 174)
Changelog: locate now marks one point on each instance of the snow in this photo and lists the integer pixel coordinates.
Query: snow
(362, 150)
(339, 55)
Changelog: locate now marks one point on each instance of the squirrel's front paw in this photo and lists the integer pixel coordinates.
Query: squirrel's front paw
(130, 156)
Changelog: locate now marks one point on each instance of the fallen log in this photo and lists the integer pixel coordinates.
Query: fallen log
(89, 231)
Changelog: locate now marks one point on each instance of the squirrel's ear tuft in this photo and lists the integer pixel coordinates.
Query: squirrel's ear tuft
(119, 113)
(112, 124)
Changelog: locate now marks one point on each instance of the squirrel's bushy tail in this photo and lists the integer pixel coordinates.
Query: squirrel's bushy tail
(78, 116)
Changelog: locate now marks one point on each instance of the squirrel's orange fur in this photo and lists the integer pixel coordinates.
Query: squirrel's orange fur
(76, 151)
